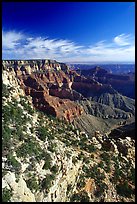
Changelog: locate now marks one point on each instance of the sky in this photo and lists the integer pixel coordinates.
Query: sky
(69, 31)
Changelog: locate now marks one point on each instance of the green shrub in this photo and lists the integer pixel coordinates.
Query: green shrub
(101, 186)
(47, 165)
(69, 187)
(101, 165)
(107, 168)
(100, 176)
(47, 182)
(32, 130)
(67, 142)
(117, 175)
(81, 156)
(5, 91)
(26, 105)
(18, 133)
(54, 169)
(13, 162)
(6, 137)
(105, 156)
(74, 142)
(75, 197)
(91, 148)
(86, 170)
(74, 160)
(47, 159)
(12, 113)
(6, 195)
(132, 175)
(32, 184)
(68, 154)
(123, 189)
(30, 148)
(86, 160)
(60, 130)
(43, 133)
(52, 147)
(81, 182)
(80, 197)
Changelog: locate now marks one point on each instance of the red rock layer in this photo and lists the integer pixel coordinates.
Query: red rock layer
(41, 87)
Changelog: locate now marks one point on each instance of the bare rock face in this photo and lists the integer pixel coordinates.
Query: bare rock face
(65, 93)
(21, 192)
(90, 186)
(49, 84)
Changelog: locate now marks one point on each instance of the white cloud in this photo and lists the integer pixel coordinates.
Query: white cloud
(123, 40)
(19, 46)
(11, 39)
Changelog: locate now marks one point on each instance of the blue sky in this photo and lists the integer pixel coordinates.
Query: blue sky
(69, 31)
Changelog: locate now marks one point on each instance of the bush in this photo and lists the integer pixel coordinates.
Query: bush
(75, 197)
(47, 164)
(47, 182)
(30, 148)
(18, 133)
(60, 130)
(132, 175)
(54, 169)
(26, 106)
(117, 175)
(81, 156)
(107, 169)
(124, 189)
(67, 142)
(5, 91)
(105, 156)
(43, 133)
(6, 137)
(81, 182)
(32, 184)
(74, 142)
(101, 165)
(80, 197)
(69, 187)
(12, 113)
(91, 148)
(74, 160)
(6, 195)
(13, 162)
(86, 170)
(52, 147)
(101, 186)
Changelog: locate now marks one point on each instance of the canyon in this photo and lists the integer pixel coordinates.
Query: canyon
(66, 137)
(57, 90)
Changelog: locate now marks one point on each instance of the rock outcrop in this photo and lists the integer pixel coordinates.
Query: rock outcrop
(49, 85)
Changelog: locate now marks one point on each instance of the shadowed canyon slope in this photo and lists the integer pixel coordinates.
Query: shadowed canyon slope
(118, 81)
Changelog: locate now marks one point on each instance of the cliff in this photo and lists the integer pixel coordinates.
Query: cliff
(117, 81)
(45, 159)
(49, 85)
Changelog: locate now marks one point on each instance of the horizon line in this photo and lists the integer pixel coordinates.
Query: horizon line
(75, 62)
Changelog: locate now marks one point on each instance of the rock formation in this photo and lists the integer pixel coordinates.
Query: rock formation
(49, 160)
